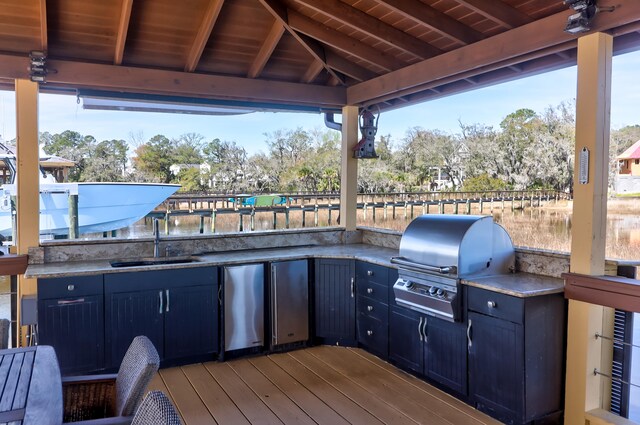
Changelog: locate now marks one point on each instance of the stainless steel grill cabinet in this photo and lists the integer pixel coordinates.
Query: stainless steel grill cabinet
(436, 251)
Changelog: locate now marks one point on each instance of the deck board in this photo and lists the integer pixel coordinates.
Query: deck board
(320, 385)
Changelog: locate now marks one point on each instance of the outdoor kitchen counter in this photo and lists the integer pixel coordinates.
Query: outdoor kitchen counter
(519, 284)
(365, 252)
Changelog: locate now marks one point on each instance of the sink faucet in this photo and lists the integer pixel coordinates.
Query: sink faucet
(156, 239)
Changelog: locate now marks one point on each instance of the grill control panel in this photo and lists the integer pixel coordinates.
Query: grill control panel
(433, 291)
(433, 299)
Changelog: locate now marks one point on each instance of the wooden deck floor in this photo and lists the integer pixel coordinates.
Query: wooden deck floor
(320, 385)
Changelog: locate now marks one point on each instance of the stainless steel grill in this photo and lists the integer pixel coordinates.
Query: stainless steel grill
(436, 251)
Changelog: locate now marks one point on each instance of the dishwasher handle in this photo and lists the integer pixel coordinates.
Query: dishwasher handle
(274, 304)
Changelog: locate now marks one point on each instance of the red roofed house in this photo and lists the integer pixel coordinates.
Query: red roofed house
(629, 170)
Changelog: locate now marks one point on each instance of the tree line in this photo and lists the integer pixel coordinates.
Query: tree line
(528, 150)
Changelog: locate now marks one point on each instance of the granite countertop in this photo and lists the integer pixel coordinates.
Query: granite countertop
(518, 284)
(371, 253)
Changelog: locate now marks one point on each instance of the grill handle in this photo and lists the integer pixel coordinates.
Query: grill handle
(417, 267)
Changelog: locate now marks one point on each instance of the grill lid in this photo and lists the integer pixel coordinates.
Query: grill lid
(459, 245)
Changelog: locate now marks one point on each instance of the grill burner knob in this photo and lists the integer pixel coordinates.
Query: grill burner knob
(408, 284)
(440, 293)
(433, 290)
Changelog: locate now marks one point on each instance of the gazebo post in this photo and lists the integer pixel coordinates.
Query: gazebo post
(28, 184)
(584, 390)
(349, 169)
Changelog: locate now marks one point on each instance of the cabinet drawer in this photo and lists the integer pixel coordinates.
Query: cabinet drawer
(73, 286)
(373, 334)
(373, 290)
(495, 304)
(372, 273)
(372, 308)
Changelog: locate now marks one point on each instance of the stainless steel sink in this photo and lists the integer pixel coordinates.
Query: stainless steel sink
(152, 261)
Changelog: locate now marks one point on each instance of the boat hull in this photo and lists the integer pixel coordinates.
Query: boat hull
(102, 207)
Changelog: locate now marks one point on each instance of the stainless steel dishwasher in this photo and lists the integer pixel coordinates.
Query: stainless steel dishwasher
(289, 302)
(243, 306)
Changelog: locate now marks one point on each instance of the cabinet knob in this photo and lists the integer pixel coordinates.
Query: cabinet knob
(491, 304)
(369, 272)
(369, 290)
(71, 287)
(369, 333)
(369, 308)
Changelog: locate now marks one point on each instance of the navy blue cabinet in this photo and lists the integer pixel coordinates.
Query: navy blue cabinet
(372, 306)
(516, 356)
(406, 346)
(177, 309)
(335, 302)
(71, 319)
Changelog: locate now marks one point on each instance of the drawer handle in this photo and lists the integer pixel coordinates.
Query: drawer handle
(369, 290)
(369, 308)
(491, 304)
(369, 272)
(469, 340)
(68, 302)
(353, 287)
(71, 287)
(420, 329)
(369, 333)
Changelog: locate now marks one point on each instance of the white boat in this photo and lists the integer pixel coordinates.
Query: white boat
(102, 207)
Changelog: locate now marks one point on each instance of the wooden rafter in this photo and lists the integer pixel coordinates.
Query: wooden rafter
(312, 72)
(204, 31)
(357, 19)
(337, 62)
(123, 28)
(78, 75)
(270, 43)
(433, 18)
(279, 12)
(498, 11)
(342, 42)
(43, 26)
(543, 34)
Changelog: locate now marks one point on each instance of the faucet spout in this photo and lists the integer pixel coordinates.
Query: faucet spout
(156, 238)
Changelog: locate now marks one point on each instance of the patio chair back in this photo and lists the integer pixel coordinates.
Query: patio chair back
(139, 365)
(156, 409)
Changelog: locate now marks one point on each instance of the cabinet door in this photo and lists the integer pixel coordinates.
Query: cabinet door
(75, 328)
(129, 314)
(335, 302)
(191, 321)
(496, 370)
(446, 353)
(405, 341)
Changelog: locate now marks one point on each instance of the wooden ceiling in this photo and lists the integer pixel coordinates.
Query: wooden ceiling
(304, 53)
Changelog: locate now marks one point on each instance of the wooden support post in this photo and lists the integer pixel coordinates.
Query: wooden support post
(393, 208)
(275, 220)
(304, 216)
(411, 212)
(74, 231)
(315, 215)
(213, 220)
(585, 391)
(440, 207)
(286, 216)
(329, 216)
(455, 207)
(166, 223)
(349, 169)
(428, 205)
(364, 211)
(405, 210)
(201, 227)
(240, 222)
(384, 211)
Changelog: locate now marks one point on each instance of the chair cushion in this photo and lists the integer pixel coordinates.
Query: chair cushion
(156, 409)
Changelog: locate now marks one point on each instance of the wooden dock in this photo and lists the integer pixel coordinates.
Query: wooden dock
(320, 385)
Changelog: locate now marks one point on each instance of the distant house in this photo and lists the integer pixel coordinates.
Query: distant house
(628, 178)
(57, 166)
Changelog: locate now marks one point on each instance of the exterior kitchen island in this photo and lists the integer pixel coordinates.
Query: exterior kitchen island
(506, 360)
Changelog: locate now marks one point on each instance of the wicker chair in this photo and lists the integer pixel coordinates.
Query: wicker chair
(156, 409)
(88, 398)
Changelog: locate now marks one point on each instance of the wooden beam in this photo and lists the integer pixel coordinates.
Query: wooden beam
(588, 231)
(440, 22)
(312, 72)
(337, 62)
(349, 169)
(269, 45)
(123, 28)
(358, 20)
(498, 11)
(44, 43)
(341, 41)
(538, 35)
(175, 83)
(199, 43)
(280, 13)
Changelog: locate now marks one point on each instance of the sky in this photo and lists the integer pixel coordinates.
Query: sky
(485, 106)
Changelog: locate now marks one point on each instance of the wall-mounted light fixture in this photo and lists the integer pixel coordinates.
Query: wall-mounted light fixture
(586, 10)
(38, 66)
